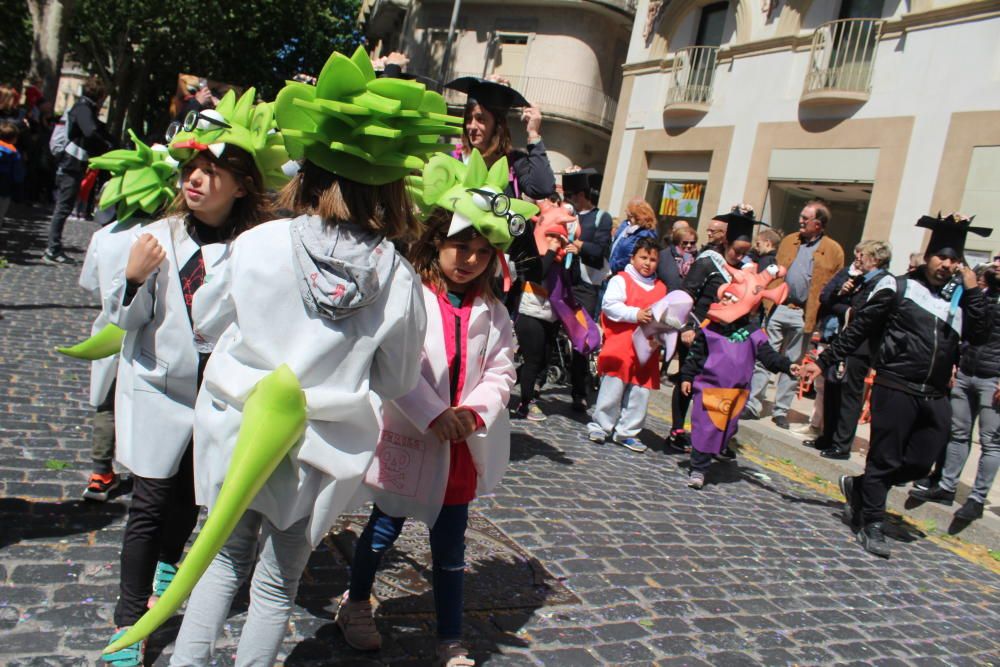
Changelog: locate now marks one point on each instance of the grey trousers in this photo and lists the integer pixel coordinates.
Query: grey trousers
(785, 331)
(283, 557)
(620, 408)
(972, 397)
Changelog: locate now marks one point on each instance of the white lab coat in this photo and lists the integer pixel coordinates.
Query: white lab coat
(158, 371)
(410, 474)
(252, 310)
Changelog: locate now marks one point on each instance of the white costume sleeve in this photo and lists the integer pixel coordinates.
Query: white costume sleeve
(396, 366)
(614, 302)
(139, 311)
(213, 309)
(489, 398)
(89, 277)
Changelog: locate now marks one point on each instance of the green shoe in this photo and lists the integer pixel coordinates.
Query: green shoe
(130, 656)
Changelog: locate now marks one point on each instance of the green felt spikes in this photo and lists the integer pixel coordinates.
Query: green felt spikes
(142, 179)
(448, 183)
(252, 128)
(372, 131)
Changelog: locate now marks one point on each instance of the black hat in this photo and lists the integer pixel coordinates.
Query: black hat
(948, 234)
(491, 94)
(581, 181)
(739, 223)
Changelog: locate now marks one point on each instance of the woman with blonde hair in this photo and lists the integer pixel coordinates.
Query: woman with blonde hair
(639, 222)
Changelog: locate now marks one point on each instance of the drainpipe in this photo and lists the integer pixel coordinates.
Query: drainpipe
(451, 37)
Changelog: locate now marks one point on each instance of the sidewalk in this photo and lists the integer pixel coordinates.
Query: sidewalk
(786, 446)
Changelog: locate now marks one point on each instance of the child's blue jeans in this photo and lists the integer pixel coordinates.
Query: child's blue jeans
(447, 538)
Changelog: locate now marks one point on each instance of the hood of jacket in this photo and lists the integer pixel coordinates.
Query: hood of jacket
(341, 267)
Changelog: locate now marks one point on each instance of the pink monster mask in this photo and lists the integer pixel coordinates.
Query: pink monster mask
(552, 220)
(739, 297)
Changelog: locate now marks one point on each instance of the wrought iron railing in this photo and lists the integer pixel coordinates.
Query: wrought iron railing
(692, 75)
(842, 57)
(563, 98)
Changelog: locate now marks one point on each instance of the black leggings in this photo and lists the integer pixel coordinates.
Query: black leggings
(679, 403)
(160, 521)
(533, 338)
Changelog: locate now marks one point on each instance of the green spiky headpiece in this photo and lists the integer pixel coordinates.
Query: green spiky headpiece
(475, 195)
(237, 123)
(369, 130)
(142, 179)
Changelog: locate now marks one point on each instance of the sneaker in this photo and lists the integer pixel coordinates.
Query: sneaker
(934, 494)
(923, 483)
(679, 440)
(453, 654)
(872, 538)
(132, 655)
(357, 622)
(781, 421)
(631, 443)
(852, 502)
(162, 578)
(100, 486)
(807, 430)
(970, 511)
(580, 405)
(748, 415)
(727, 454)
(58, 258)
(535, 413)
(696, 480)
(597, 436)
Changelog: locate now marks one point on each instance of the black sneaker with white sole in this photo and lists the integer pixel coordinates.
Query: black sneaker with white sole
(872, 538)
(58, 258)
(852, 502)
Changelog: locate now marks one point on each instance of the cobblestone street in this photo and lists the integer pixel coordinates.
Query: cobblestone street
(587, 554)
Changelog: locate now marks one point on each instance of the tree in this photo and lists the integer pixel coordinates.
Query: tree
(139, 47)
(15, 42)
(49, 21)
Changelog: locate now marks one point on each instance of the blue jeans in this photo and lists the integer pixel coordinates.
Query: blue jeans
(447, 538)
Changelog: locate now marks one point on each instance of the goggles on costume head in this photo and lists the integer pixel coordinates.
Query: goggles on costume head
(499, 204)
(208, 119)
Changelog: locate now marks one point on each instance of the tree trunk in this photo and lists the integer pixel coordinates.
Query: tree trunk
(49, 23)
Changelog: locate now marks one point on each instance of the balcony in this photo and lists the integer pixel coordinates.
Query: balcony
(841, 62)
(555, 97)
(691, 78)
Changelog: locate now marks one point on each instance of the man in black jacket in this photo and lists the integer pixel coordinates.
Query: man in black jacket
(87, 139)
(923, 318)
(590, 249)
(976, 393)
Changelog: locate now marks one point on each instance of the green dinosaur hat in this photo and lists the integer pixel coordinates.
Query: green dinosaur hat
(237, 123)
(369, 130)
(142, 178)
(475, 196)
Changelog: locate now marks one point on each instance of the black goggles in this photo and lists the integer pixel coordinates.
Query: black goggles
(499, 205)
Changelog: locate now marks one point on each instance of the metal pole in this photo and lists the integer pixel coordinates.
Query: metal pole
(451, 38)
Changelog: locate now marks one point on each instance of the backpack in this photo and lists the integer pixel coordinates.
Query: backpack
(60, 136)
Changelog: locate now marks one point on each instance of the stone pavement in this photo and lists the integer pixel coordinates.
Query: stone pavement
(754, 569)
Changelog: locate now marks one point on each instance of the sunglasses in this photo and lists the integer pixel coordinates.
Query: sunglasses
(200, 120)
(499, 204)
(689, 243)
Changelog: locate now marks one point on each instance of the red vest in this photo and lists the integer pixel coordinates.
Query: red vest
(617, 356)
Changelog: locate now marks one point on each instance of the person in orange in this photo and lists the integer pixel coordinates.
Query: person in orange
(620, 411)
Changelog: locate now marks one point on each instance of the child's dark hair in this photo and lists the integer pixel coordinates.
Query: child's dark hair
(423, 255)
(8, 131)
(248, 210)
(646, 243)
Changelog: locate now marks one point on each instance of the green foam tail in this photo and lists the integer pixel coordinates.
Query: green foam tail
(104, 343)
(274, 419)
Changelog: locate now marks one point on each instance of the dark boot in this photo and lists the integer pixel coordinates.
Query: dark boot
(970, 511)
(852, 502)
(935, 494)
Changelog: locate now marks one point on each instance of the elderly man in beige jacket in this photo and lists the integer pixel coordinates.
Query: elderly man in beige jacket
(812, 258)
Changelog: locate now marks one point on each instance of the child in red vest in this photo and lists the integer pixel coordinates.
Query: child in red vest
(620, 411)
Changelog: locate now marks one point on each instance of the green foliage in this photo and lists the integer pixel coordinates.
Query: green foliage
(140, 47)
(15, 42)
(56, 464)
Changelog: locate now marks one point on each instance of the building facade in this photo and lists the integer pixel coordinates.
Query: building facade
(565, 56)
(888, 109)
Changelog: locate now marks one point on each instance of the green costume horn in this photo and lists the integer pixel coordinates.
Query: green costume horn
(274, 419)
(104, 343)
(371, 131)
(141, 179)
